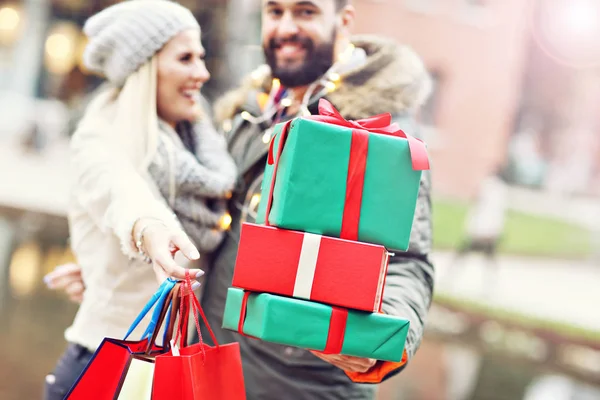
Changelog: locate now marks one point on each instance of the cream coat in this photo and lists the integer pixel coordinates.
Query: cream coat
(111, 189)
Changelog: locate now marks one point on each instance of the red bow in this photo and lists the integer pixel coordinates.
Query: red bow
(381, 124)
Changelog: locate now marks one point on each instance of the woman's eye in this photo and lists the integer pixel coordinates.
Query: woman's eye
(186, 57)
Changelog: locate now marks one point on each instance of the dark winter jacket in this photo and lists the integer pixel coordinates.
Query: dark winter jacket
(392, 79)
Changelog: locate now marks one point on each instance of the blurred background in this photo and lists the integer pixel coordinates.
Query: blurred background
(514, 134)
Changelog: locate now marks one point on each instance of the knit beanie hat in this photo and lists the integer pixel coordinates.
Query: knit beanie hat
(126, 35)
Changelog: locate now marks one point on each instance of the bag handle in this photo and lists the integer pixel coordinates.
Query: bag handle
(172, 318)
(157, 300)
(163, 311)
(178, 309)
(157, 319)
(168, 318)
(184, 310)
(189, 300)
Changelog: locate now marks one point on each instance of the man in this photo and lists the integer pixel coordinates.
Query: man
(310, 52)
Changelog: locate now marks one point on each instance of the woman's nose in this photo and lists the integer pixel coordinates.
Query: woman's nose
(200, 73)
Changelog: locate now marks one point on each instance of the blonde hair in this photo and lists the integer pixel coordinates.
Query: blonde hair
(127, 117)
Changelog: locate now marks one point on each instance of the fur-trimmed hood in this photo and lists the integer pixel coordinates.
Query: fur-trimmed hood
(393, 79)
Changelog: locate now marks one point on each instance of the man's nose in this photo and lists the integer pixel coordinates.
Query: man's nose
(287, 26)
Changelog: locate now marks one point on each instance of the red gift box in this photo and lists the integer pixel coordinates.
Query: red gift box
(333, 271)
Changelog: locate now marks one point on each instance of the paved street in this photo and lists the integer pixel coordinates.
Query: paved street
(37, 182)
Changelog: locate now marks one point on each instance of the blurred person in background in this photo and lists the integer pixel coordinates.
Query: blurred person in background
(311, 54)
(149, 173)
(484, 227)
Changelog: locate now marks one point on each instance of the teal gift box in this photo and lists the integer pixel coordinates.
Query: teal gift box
(316, 326)
(333, 178)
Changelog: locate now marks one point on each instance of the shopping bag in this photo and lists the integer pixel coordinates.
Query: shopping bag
(198, 371)
(137, 384)
(123, 369)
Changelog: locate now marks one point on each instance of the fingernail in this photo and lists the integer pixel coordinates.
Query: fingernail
(194, 254)
(48, 280)
(196, 285)
(199, 274)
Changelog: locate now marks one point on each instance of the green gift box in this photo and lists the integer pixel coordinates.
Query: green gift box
(316, 326)
(342, 181)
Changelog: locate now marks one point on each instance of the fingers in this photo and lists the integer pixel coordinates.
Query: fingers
(75, 291)
(67, 277)
(75, 288)
(161, 244)
(62, 282)
(186, 246)
(169, 268)
(62, 276)
(76, 298)
(356, 364)
(159, 272)
(347, 363)
(69, 268)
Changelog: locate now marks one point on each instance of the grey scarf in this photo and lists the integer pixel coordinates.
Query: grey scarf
(195, 175)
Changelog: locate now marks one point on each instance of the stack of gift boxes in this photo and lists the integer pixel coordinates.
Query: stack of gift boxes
(310, 272)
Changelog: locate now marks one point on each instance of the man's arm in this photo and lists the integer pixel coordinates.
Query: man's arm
(410, 278)
(407, 294)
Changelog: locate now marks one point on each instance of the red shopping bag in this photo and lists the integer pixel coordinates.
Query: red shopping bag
(198, 371)
(110, 368)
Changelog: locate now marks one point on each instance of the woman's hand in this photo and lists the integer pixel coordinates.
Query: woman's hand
(67, 278)
(160, 243)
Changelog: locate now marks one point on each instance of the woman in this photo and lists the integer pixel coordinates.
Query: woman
(149, 172)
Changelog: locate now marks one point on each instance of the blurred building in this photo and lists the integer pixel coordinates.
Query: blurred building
(41, 45)
(475, 52)
(516, 84)
(510, 89)
(43, 90)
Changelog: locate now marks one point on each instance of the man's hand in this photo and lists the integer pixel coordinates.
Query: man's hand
(161, 243)
(347, 363)
(67, 278)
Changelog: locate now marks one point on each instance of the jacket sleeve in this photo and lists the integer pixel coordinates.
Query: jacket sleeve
(108, 187)
(409, 286)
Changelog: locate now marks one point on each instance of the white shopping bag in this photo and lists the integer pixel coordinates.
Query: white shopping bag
(138, 381)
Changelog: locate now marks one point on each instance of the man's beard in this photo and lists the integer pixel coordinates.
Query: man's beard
(317, 61)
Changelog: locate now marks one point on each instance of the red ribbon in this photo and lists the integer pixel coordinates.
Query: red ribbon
(355, 181)
(243, 312)
(378, 124)
(337, 331)
(335, 335)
